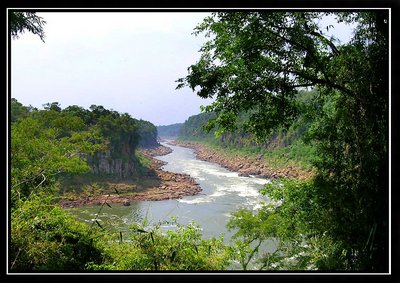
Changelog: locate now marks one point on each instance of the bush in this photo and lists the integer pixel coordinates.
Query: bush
(45, 237)
(151, 249)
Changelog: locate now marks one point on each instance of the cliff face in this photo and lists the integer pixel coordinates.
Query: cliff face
(121, 166)
(119, 159)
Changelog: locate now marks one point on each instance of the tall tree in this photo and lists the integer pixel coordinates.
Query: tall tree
(255, 62)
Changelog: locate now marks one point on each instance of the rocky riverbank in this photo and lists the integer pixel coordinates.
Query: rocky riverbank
(156, 185)
(245, 165)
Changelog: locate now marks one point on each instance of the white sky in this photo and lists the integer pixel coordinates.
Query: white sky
(125, 61)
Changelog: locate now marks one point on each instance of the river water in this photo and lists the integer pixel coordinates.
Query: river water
(223, 192)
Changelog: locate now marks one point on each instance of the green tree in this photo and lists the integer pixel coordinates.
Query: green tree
(149, 248)
(19, 111)
(255, 62)
(40, 152)
(44, 145)
(45, 237)
(21, 21)
(55, 106)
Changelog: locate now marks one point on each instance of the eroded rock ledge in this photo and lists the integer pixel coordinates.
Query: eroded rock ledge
(163, 185)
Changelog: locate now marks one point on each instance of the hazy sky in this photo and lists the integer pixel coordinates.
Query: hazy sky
(125, 61)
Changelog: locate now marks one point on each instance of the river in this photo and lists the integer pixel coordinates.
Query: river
(223, 192)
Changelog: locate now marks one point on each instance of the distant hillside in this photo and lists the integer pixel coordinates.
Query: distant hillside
(192, 129)
(169, 131)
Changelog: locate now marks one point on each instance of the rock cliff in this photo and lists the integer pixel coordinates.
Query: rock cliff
(121, 168)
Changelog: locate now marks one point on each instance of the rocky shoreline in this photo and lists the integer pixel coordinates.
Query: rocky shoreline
(169, 185)
(244, 165)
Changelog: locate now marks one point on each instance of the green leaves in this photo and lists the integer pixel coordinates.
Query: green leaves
(179, 248)
(292, 220)
(44, 237)
(21, 21)
(41, 151)
(255, 64)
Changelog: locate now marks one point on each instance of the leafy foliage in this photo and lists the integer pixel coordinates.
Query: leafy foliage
(18, 110)
(39, 153)
(299, 221)
(255, 63)
(45, 238)
(147, 134)
(181, 248)
(195, 125)
(43, 145)
(21, 21)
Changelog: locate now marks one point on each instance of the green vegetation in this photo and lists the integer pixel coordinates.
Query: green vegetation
(43, 146)
(21, 21)
(177, 249)
(254, 64)
(44, 237)
(147, 134)
(169, 131)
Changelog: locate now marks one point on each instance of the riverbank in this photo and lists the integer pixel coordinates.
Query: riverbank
(153, 186)
(256, 166)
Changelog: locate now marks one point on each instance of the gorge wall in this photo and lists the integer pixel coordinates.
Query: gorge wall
(121, 168)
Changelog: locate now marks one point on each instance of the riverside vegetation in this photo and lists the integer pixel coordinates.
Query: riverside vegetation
(258, 67)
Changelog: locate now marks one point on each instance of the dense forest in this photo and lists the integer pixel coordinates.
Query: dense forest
(278, 81)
